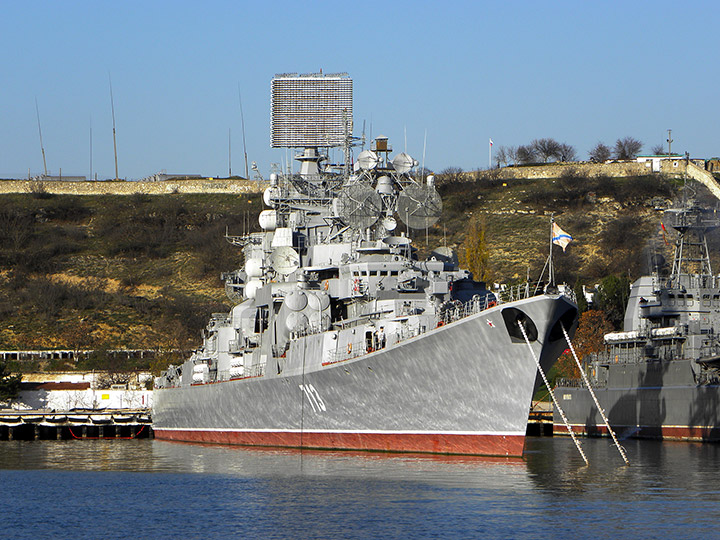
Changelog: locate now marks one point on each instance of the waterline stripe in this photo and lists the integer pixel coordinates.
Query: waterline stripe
(367, 432)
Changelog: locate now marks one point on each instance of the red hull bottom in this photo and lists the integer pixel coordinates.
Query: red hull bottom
(480, 445)
(672, 433)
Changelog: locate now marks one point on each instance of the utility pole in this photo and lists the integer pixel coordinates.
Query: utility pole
(112, 106)
(42, 148)
(242, 120)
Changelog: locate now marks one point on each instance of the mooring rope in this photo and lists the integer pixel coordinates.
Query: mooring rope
(595, 399)
(552, 394)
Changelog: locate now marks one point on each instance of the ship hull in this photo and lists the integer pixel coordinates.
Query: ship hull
(463, 388)
(668, 405)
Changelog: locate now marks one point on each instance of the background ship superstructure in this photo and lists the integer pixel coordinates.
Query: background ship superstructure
(340, 337)
(660, 376)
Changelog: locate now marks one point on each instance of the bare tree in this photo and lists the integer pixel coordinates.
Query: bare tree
(658, 150)
(546, 148)
(627, 148)
(566, 152)
(451, 174)
(512, 155)
(526, 154)
(600, 153)
(501, 157)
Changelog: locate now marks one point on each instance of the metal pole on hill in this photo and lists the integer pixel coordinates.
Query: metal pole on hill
(112, 107)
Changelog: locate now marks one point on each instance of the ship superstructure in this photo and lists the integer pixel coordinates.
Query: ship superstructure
(340, 337)
(659, 377)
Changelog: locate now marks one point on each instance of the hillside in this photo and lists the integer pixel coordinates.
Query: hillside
(144, 271)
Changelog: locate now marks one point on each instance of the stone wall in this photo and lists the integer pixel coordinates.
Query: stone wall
(205, 185)
(556, 170)
(131, 188)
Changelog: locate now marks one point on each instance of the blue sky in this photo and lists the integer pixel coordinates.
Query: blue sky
(460, 72)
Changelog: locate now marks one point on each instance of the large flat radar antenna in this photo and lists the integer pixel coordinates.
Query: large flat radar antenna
(313, 110)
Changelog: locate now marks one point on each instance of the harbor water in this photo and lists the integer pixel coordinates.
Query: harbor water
(153, 489)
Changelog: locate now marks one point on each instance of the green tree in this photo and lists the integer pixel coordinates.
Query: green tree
(9, 383)
(477, 254)
(611, 298)
(580, 297)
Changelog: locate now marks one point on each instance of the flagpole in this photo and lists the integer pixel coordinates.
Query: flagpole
(551, 273)
(490, 143)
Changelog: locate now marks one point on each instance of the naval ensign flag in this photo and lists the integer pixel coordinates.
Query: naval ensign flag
(560, 237)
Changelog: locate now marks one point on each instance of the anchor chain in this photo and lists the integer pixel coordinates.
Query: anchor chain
(552, 394)
(595, 399)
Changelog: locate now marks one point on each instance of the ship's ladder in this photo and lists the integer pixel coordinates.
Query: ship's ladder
(595, 399)
(552, 394)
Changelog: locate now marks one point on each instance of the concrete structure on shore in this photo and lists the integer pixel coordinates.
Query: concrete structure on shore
(62, 391)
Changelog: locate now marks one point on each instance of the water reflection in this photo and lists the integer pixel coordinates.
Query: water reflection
(265, 493)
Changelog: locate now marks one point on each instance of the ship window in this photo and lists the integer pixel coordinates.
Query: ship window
(690, 301)
(706, 303)
(394, 272)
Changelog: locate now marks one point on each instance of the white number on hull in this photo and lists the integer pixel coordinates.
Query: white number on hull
(316, 402)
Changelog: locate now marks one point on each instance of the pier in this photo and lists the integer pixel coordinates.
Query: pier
(540, 420)
(30, 425)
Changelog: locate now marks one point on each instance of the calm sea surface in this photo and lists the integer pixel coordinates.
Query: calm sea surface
(154, 489)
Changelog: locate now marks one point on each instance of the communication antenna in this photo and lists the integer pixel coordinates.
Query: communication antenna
(359, 206)
(91, 171)
(419, 206)
(285, 260)
(42, 148)
(242, 123)
(423, 161)
(403, 163)
(669, 141)
(229, 155)
(368, 160)
(112, 107)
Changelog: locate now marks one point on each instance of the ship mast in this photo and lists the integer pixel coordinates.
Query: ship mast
(692, 256)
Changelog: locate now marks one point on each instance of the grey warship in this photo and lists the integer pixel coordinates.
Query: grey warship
(340, 337)
(660, 377)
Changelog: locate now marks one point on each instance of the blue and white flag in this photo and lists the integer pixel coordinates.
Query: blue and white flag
(560, 237)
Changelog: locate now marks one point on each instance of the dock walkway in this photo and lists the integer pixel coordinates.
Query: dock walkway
(75, 424)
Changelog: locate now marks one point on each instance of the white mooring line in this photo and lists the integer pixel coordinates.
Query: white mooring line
(552, 394)
(595, 399)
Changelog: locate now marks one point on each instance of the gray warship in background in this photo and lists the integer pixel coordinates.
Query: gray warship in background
(660, 377)
(340, 337)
